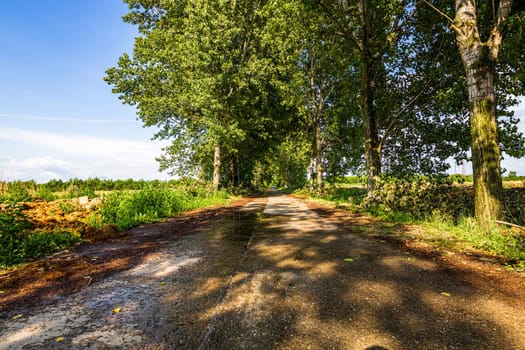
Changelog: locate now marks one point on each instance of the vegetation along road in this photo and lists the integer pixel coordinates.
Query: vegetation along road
(273, 272)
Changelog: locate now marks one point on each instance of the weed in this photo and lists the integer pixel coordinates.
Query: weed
(67, 207)
(446, 227)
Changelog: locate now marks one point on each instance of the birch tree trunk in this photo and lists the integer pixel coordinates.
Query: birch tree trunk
(479, 60)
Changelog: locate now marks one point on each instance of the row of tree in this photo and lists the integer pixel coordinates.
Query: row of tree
(255, 90)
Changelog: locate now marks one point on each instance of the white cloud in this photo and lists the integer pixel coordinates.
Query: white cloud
(39, 168)
(66, 156)
(81, 145)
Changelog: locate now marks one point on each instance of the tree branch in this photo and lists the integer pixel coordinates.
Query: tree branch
(392, 124)
(396, 25)
(346, 31)
(509, 224)
(496, 37)
(439, 11)
(504, 9)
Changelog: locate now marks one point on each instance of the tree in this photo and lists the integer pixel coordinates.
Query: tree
(200, 71)
(479, 40)
(371, 34)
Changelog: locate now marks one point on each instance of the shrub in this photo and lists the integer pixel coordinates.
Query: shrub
(45, 194)
(18, 192)
(515, 205)
(40, 244)
(13, 224)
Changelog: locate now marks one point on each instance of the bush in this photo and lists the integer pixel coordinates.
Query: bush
(423, 197)
(45, 194)
(515, 205)
(18, 192)
(40, 244)
(13, 224)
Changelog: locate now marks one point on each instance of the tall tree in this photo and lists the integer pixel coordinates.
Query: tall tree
(202, 71)
(480, 31)
(370, 32)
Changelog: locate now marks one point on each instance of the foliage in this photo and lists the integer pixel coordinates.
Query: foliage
(424, 197)
(17, 191)
(39, 244)
(154, 200)
(209, 75)
(17, 244)
(126, 209)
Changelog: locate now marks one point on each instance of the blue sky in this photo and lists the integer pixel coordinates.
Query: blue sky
(58, 118)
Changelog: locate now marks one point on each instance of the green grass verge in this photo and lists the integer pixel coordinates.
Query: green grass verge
(124, 209)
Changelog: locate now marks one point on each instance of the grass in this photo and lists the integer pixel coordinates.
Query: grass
(467, 235)
(124, 209)
(442, 231)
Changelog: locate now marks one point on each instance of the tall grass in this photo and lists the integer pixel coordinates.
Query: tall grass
(126, 209)
(465, 234)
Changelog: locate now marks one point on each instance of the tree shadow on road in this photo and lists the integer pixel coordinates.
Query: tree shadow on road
(321, 287)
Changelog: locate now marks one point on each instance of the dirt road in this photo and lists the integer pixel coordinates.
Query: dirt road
(272, 275)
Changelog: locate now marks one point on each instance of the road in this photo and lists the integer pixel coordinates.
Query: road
(274, 275)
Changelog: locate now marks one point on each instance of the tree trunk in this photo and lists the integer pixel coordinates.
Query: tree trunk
(217, 168)
(232, 172)
(318, 155)
(372, 146)
(479, 60)
(311, 169)
(368, 62)
(488, 188)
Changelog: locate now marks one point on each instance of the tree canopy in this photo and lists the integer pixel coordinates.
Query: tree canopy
(254, 92)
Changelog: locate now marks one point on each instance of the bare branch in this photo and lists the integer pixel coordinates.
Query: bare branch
(439, 11)
(509, 224)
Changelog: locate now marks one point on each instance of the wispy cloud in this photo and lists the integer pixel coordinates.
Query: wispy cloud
(66, 119)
